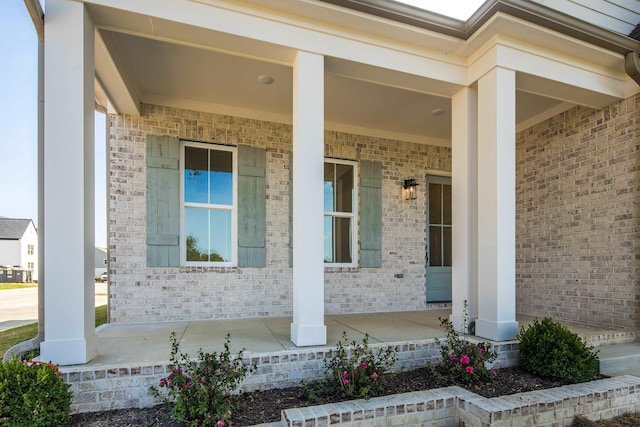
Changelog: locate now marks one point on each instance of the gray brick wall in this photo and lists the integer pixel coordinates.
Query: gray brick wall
(578, 216)
(577, 236)
(143, 294)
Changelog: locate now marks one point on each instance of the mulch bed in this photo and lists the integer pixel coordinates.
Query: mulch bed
(265, 406)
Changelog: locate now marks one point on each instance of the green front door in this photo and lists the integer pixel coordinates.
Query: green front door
(438, 239)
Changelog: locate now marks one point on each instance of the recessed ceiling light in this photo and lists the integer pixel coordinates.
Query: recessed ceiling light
(437, 112)
(265, 79)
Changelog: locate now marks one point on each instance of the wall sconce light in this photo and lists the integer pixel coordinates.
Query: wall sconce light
(409, 188)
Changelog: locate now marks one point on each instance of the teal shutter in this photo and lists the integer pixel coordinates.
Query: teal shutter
(252, 221)
(163, 204)
(370, 214)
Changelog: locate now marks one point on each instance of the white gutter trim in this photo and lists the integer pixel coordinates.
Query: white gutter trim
(37, 16)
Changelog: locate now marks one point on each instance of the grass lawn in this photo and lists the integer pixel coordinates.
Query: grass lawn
(5, 286)
(14, 336)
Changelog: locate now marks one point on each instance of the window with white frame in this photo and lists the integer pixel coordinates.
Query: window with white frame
(30, 249)
(339, 212)
(208, 204)
(30, 266)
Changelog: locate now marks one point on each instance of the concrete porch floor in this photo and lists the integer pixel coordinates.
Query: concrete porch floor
(148, 343)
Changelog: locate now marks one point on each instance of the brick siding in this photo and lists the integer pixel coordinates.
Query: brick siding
(146, 294)
(578, 216)
(577, 219)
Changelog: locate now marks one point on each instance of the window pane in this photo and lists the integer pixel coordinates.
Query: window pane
(221, 178)
(329, 185)
(197, 229)
(196, 175)
(342, 241)
(328, 239)
(447, 246)
(220, 236)
(344, 188)
(337, 240)
(434, 204)
(208, 235)
(435, 246)
(446, 204)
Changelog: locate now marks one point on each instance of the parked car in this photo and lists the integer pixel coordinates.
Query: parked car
(104, 277)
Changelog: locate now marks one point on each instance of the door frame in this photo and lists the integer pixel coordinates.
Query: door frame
(432, 178)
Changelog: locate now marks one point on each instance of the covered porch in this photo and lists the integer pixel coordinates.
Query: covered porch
(132, 357)
(134, 344)
(485, 89)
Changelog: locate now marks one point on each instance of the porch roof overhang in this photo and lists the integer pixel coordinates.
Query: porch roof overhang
(385, 69)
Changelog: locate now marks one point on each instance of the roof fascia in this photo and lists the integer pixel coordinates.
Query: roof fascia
(529, 11)
(37, 16)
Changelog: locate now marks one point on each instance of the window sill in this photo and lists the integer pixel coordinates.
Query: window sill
(339, 269)
(207, 269)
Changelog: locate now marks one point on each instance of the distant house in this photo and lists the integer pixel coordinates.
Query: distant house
(100, 261)
(19, 244)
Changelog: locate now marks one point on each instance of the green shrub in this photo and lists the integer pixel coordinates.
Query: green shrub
(550, 350)
(203, 392)
(356, 370)
(33, 394)
(462, 361)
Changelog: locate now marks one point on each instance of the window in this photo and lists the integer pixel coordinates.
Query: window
(105, 261)
(208, 204)
(30, 266)
(339, 212)
(30, 249)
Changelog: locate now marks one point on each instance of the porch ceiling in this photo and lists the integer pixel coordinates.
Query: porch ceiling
(184, 76)
(140, 59)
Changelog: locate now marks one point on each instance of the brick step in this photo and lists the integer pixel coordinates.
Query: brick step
(620, 359)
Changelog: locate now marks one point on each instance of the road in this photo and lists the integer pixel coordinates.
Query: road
(20, 306)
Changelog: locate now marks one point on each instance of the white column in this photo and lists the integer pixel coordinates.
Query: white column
(464, 184)
(497, 206)
(69, 185)
(308, 211)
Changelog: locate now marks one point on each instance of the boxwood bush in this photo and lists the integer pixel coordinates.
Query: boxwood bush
(33, 394)
(550, 350)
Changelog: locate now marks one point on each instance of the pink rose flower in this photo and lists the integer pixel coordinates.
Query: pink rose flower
(345, 374)
(220, 423)
(364, 365)
(464, 360)
(452, 358)
(374, 376)
(469, 369)
(495, 374)
(345, 382)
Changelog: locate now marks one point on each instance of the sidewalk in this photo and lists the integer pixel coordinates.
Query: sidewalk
(20, 306)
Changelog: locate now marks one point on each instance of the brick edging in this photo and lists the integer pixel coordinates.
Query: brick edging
(600, 399)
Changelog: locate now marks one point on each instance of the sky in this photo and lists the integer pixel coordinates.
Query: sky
(459, 9)
(19, 122)
(18, 111)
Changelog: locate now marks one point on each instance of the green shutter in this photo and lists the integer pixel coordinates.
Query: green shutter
(252, 222)
(370, 214)
(163, 204)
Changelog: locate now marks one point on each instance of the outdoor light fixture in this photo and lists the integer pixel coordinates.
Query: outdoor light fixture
(409, 188)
